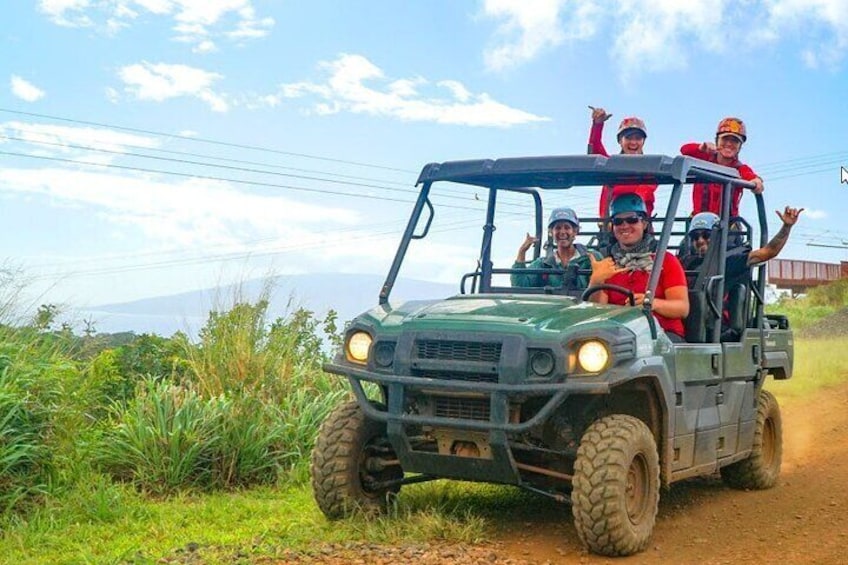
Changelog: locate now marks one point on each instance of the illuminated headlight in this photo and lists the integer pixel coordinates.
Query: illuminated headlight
(542, 363)
(357, 347)
(593, 356)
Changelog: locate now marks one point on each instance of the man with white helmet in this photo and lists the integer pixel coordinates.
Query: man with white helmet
(740, 259)
(701, 229)
(563, 253)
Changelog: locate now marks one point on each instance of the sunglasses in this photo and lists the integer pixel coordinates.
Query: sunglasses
(700, 234)
(628, 220)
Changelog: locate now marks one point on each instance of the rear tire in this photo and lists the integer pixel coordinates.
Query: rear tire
(615, 495)
(345, 464)
(762, 468)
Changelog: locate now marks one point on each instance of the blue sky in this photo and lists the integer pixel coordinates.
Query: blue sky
(322, 114)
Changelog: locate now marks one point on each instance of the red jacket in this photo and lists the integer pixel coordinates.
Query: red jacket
(672, 275)
(706, 197)
(608, 193)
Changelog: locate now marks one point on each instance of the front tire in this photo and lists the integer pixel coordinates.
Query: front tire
(348, 463)
(762, 468)
(615, 495)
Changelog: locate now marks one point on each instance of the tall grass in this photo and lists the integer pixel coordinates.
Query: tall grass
(244, 409)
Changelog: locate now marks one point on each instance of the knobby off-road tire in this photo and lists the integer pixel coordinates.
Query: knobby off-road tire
(341, 480)
(762, 468)
(615, 494)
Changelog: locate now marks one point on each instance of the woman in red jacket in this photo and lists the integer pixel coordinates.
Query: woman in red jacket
(631, 137)
(730, 135)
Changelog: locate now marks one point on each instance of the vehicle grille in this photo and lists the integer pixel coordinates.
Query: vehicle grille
(463, 408)
(451, 376)
(459, 350)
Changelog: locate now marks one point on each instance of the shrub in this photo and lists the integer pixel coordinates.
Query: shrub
(162, 439)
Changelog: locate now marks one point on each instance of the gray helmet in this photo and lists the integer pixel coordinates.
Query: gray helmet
(703, 221)
(563, 214)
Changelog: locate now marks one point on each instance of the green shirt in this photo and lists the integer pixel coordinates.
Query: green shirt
(579, 261)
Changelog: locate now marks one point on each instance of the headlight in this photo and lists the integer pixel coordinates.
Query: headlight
(384, 353)
(542, 362)
(357, 348)
(593, 356)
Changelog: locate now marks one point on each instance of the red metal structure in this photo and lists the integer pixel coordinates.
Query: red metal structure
(799, 275)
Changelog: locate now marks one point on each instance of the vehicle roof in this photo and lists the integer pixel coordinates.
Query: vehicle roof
(565, 171)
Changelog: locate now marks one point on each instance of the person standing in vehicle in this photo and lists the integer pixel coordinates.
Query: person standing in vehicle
(563, 227)
(631, 138)
(629, 266)
(731, 134)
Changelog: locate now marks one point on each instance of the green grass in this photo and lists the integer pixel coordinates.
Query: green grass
(249, 525)
(818, 363)
(99, 521)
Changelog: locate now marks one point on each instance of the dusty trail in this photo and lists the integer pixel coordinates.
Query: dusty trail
(804, 519)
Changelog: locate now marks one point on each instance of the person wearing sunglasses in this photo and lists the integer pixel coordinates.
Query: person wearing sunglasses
(631, 138)
(739, 259)
(563, 253)
(629, 265)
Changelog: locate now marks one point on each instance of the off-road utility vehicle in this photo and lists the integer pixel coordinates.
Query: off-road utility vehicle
(589, 404)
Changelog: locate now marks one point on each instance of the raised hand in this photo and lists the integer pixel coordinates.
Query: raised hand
(789, 216)
(599, 115)
(603, 269)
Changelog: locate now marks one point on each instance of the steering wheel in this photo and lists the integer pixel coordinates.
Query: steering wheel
(598, 287)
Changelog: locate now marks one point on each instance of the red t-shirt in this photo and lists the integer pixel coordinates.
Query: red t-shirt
(672, 275)
(706, 197)
(608, 193)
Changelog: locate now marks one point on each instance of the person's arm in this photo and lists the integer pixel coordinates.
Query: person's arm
(775, 245)
(526, 279)
(596, 145)
(748, 173)
(601, 271)
(705, 151)
(525, 246)
(675, 304)
(603, 205)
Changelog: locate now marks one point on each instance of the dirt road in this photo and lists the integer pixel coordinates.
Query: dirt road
(804, 519)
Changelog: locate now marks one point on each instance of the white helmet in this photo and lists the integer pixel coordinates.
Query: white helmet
(703, 221)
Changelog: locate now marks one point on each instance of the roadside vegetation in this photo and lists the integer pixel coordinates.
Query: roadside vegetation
(139, 449)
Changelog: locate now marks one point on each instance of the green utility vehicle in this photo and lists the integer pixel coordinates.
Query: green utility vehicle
(539, 388)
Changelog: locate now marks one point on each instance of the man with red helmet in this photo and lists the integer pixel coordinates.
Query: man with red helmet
(730, 135)
(631, 137)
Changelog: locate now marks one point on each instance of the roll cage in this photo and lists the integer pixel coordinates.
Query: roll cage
(530, 175)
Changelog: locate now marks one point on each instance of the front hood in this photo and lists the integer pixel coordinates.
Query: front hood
(526, 314)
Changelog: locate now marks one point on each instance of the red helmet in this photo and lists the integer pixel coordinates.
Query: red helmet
(732, 126)
(631, 123)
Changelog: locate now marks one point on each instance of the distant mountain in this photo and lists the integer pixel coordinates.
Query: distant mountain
(347, 294)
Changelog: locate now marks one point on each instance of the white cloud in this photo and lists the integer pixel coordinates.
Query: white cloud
(189, 213)
(528, 27)
(194, 21)
(161, 81)
(46, 139)
(660, 35)
(345, 89)
(814, 214)
(25, 90)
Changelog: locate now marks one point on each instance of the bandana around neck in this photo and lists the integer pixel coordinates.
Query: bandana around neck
(637, 258)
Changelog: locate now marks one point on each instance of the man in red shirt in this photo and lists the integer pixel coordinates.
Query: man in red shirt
(730, 135)
(631, 137)
(629, 266)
